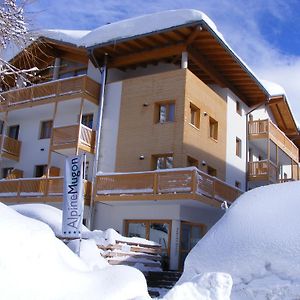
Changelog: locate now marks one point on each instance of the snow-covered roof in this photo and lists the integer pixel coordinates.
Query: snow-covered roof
(67, 36)
(145, 24)
(273, 88)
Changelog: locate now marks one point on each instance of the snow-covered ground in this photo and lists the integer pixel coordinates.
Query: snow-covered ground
(34, 264)
(257, 242)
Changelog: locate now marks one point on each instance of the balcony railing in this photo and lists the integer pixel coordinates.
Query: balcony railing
(73, 136)
(11, 148)
(186, 183)
(266, 129)
(79, 85)
(36, 189)
(263, 170)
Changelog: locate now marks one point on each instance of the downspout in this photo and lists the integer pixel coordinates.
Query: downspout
(247, 136)
(103, 72)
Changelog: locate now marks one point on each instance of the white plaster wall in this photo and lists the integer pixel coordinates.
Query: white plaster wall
(207, 216)
(109, 133)
(263, 113)
(236, 128)
(34, 151)
(93, 72)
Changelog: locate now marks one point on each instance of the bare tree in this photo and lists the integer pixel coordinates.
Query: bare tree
(13, 31)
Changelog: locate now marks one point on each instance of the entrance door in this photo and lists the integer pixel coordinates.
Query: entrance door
(158, 231)
(190, 235)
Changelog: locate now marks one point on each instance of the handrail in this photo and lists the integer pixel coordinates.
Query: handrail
(268, 129)
(49, 89)
(172, 181)
(11, 146)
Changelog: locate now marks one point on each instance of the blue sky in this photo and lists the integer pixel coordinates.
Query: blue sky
(265, 33)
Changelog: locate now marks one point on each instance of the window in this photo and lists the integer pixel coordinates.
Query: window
(211, 171)
(40, 170)
(238, 108)
(6, 172)
(1, 126)
(192, 162)
(164, 161)
(87, 120)
(46, 129)
(165, 112)
(237, 184)
(238, 147)
(13, 131)
(195, 115)
(213, 128)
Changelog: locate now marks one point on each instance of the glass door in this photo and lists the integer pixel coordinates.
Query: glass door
(158, 231)
(191, 234)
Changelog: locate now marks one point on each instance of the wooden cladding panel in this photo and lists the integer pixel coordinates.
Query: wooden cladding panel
(139, 133)
(197, 142)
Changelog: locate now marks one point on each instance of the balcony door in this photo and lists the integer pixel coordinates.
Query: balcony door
(158, 231)
(13, 131)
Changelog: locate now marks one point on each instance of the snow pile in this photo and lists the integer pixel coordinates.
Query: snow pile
(209, 286)
(34, 264)
(257, 242)
(273, 88)
(53, 217)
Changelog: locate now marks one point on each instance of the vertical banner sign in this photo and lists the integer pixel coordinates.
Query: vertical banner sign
(73, 197)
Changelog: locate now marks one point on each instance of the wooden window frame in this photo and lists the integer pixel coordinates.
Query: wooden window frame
(148, 223)
(192, 162)
(210, 170)
(238, 107)
(43, 135)
(169, 118)
(194, 115)
(9, 129)
(238, 147)
(155, 158)
(213, 129)
(90, 117)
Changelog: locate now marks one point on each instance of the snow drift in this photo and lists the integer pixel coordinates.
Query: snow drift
(257, 242)
(34, 264)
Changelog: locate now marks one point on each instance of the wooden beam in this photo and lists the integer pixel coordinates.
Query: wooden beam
(143, 56)
(275, 100)
(193, 35)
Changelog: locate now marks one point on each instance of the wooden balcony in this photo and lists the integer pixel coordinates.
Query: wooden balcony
(265, 129)
(11, 148)
(172, 184)
(73, 137)
(63, 89)
(263, 170)
(36, 190)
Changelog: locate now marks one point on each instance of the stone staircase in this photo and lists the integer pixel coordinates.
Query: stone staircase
(161, 280)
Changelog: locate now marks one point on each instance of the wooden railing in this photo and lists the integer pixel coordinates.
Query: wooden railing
(70, 136)
(11, 147)
(52, 89)
(267, 129)
(262, 170)
(39, 188)
(159, 184)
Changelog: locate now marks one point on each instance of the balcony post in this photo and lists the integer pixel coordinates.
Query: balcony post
(3, 133)
(79, 127)
(51, 141)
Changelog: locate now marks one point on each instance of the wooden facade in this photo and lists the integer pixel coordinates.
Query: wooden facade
(178, 137)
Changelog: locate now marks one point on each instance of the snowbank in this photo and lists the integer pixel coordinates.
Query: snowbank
(209, 286)
(53, 217)
(34, 264)
(257, 242)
